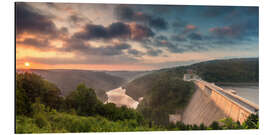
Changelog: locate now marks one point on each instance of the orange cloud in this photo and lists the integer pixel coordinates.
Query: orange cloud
(191, 27)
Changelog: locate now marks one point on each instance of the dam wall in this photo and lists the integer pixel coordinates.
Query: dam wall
(202, 109)
(232, 105)
(211, 103)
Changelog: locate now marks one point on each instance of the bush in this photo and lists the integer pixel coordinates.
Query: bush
(41, 120)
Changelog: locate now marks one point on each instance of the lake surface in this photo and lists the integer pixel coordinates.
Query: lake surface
(119, 97)
(250, 93)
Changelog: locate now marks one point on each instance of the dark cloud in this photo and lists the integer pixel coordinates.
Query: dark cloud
(30, 20)
(178, 38)
(115, 30)
(162, 42)
(154, 52)
(161, 37)
(126, 13)
(140, 32)
(76, 20)
(119, 29)
(195, 36)
(82, 47)
(158, 23)
(92, 31)
(109, 50)
(135, 52)
(40, 44)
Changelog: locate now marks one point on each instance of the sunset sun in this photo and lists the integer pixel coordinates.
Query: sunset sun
(27, 64)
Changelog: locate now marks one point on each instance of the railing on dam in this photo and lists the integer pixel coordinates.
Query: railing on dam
(233, 105)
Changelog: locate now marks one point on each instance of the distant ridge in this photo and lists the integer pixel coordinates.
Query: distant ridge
(67, 80)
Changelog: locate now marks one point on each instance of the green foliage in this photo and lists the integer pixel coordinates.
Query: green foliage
(40, 114)
(215, 126)
(84, 100)
(41, 120)
(30, 86)
(226, 123)
(233, 70)
(165, 96)
(52, 122)
(252, 122)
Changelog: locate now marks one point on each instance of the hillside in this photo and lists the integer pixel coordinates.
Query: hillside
(231, 70)
(164, 90)
(67, 80)
(128, 75)
(139, 86)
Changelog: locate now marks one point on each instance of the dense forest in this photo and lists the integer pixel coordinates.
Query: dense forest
(232, 70)
(42, 108)
(166, 96)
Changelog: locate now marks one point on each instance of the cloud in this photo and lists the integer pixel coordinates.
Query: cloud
(163, 42)
(29, 20)
(76, 20)
(189, 28)
(158, 23)
(135, 52)
(224, 31)
(119, 29)
(161, 37)
(92, 59)
(154, 52)
(178, 38)
(126, 13)
(109, 50)
(82, 47)
(195, 36)
(115, 30)
(40, 44)
(139, 32)
(236, 31)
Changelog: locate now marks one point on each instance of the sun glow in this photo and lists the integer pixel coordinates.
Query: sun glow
(27, 64)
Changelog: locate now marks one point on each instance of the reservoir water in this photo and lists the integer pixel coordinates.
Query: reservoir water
(250, 93)
(119, 97)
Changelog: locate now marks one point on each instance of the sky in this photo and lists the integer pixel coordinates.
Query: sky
(131, 37)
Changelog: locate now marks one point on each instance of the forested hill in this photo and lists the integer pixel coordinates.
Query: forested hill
(67, 80)
(164, 90)
(229, 70)
(232, 70)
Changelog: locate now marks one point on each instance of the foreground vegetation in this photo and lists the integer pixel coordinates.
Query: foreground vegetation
(40, 108)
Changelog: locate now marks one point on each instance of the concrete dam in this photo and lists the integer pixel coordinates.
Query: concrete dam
(211, 103)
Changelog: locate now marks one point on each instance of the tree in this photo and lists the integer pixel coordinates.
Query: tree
(215, 125)
(83, 100)
(30, 86)
(252, 122)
